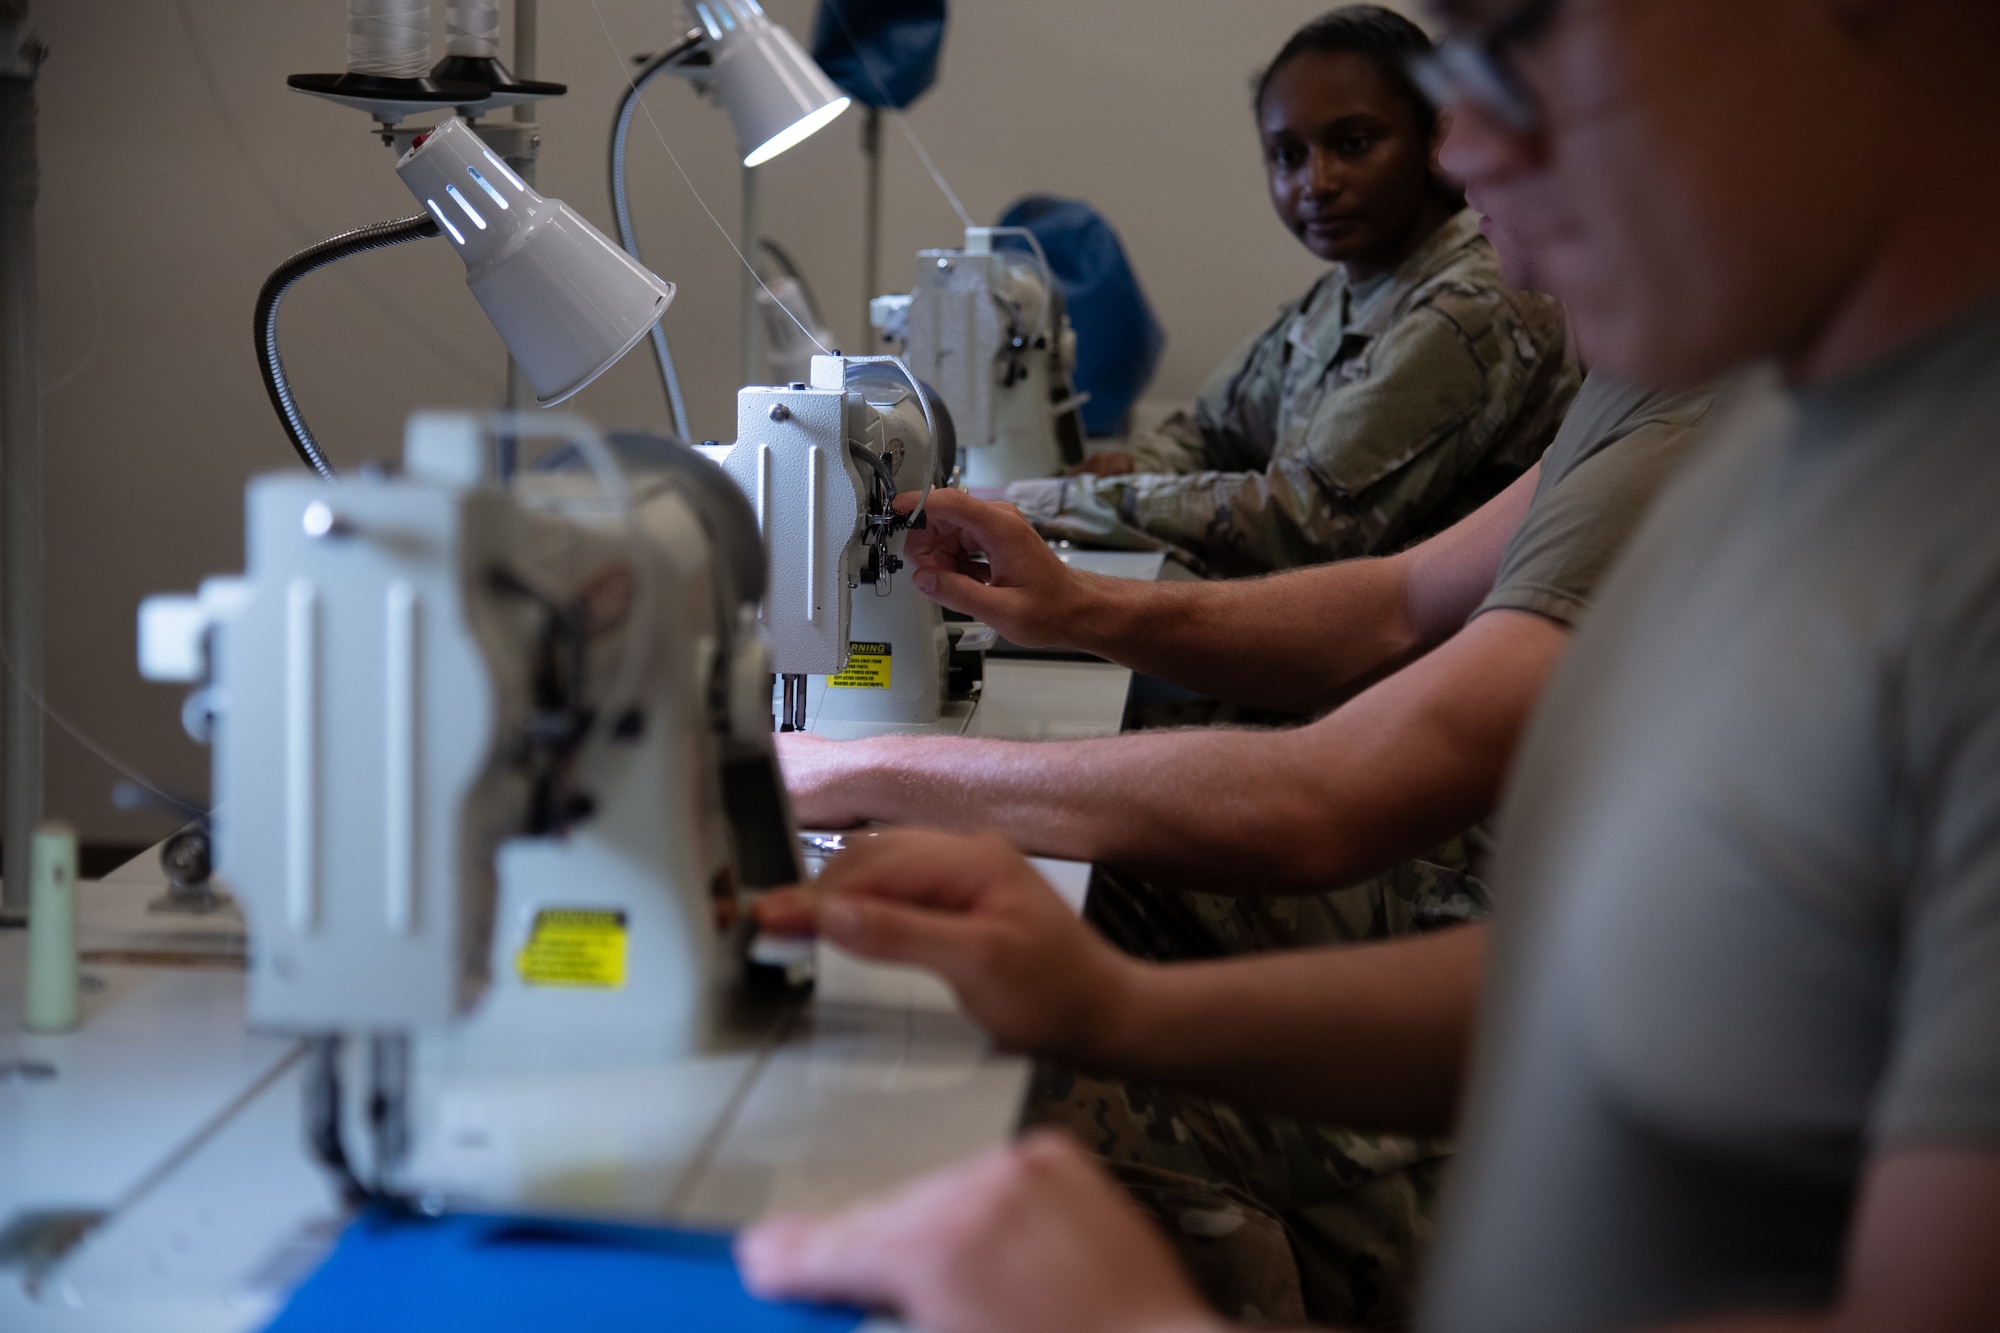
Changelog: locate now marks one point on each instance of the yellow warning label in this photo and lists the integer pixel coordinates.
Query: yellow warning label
(574, 947)
(867, 668)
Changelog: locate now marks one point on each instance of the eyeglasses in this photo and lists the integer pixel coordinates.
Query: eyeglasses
(1472, 69)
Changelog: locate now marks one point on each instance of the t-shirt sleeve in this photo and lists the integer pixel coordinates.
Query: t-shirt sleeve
(1582, 517)
(1942, 1082)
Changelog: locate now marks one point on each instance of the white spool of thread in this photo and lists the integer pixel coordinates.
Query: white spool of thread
(472, 28)
(389, 39)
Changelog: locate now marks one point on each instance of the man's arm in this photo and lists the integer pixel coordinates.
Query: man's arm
(1300, 640)
(1371, 1035)
(1036, 1237)
(1031, 1236)
(1400, 767)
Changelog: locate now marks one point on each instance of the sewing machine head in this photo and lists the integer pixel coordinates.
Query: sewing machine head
(822, 464)
(475, 734)
(988, 328)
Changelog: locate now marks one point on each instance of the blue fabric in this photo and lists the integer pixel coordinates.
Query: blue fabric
(400, 1274)
(1118, 342)
(881, 52)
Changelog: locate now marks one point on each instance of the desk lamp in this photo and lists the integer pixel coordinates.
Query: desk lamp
(775, 98)
(773, 93)
(566, 301)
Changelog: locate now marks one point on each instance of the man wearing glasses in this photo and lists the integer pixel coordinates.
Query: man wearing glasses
(1738, 1059)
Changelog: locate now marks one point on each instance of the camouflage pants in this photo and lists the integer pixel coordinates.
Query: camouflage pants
(1281, 1220)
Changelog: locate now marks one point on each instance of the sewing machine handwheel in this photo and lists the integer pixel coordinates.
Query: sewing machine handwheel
(186, 857)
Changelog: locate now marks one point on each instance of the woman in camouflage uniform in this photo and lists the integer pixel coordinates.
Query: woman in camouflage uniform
(1405, 388)
(1402, 390)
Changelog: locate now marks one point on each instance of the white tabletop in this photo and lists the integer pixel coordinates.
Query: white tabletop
(161, 1055)
(1146, 565)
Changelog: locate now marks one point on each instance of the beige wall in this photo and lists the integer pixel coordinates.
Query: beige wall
(178, 170)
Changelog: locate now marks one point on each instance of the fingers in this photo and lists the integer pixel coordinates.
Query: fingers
(1032, 1236)
(786, 912)
(1021, 588)
(937, 552)
(838, 1258)
(920, 866)
(977, 525)
(961, 593)
(892, 933)
(871, 1254)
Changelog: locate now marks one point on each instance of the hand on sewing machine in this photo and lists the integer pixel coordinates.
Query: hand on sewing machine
(1022, 589)
(1031, 1236)
(971, 909)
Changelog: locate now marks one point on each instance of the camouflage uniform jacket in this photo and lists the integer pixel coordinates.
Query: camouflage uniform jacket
(1358, 422)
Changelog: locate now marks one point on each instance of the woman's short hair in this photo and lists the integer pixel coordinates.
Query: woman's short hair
(1381, 36)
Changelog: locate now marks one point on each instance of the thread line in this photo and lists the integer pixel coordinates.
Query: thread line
(75, 372)
(442, 348)
(951, 196)
(901, 116)
(78, 735)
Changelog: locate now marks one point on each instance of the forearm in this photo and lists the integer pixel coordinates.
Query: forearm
(1305, 639)
(1094, 800)
(1391, 773)
(1221, 810)
(1373, 1036)
(1299, 641)
(1408, 763)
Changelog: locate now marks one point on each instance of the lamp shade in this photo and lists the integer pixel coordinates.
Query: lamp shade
(566, 301)
(774, 94)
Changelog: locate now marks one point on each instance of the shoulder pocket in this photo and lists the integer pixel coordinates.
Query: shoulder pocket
(1426, 385)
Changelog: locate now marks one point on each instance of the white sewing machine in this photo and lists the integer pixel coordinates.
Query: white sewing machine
(492, 758)
(821, 464)
(989, 333)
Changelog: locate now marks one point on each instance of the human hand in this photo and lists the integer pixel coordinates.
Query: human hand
(1032, 1236)
(972, 910)
(823, 778)
(1021, 589)
(1106, 463)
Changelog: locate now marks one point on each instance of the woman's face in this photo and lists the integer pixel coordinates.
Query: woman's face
(1350, 170)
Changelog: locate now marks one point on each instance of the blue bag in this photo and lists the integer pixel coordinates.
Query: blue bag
(881, 52)
(1118, 342)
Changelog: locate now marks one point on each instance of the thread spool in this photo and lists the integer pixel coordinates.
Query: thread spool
(51, 1001)
(389, 39)
(472, 28)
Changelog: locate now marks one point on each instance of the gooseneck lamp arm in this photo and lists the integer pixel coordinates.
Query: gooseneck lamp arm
(621, 129)
(375, 236)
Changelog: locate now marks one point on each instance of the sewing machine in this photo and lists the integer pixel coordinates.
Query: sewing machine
(989, 333)
(492, 760)
(392, 690)
(822, 463)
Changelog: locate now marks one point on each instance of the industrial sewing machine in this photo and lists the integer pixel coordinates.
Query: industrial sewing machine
(822, 463)
(492, 760)
(989, 332)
